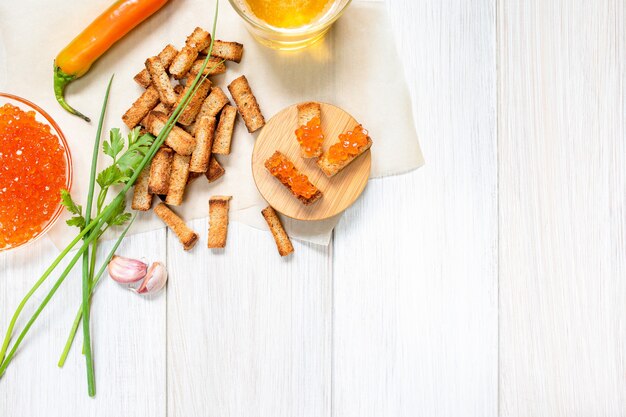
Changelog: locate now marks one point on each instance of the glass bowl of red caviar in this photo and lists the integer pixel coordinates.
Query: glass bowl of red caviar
(36, 164)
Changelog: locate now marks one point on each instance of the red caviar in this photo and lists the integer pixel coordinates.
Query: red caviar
(286, 172)
(32, 173)
(349, 145)
(310, 137)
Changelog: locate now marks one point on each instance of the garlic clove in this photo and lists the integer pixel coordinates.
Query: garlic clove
(155, 279)
(126, 270)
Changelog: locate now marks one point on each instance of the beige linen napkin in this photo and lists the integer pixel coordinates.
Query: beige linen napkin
(355, 67)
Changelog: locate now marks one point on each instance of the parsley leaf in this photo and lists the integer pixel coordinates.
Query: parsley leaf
(119, 217)
(133, 135)
(137, 149)
(78, 221)
(115, 144)
(75, 209)
(68, 203)
(111, 176)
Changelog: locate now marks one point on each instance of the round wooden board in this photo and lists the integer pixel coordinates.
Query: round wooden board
(339, 192)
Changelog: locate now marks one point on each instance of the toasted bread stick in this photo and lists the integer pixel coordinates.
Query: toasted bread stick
(306, 113)
(275, 163)
(276, 227)
(224, 131)
(178, 180)
(330, 167)
(179, 140)
(193, 176)
(161, 108)
(191, 129)
(215, 66)
(246, 103)
(215, 170)
(166, 56)
(185, 235)
(218, 221)
(141, 107)
(212, 105)
(160, 171)
(230, 51)
(161, 81)
(190, 112)
(143, 78)
(205, 129)
(142, 199)
(197, 41)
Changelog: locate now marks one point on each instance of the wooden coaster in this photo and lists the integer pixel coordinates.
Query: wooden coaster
(339, 191)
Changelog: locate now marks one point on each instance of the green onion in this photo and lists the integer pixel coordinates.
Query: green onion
(91, 384)
(79, 313)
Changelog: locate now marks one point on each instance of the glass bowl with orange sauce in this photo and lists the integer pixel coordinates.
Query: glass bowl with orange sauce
(35, 164)
(289, 24)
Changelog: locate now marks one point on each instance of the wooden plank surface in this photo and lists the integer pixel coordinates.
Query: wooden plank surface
(415, 262)
(408, 324)
(562, 162)
(128, 335)
(249, 332)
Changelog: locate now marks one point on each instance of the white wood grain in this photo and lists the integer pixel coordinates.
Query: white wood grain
(415, 262)
(128, 339)
(562, 164)
(415, 282)
(248, 331)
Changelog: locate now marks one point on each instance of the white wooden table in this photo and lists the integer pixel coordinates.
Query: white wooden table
(490, 282)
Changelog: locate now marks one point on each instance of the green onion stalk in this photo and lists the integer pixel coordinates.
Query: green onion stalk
(90, 233)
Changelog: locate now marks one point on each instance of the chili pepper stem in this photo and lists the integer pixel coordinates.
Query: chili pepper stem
(61, 80)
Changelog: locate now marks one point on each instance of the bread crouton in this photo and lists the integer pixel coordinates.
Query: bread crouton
(246, 103)
(179, 140)
(185, 235)
(306, 113)
(190, 112)
(142, 199)
(218, 221)
(224, 132)
(215, 170)
(205, 129)
(160, 171)
(178, 180)
(283, 243)
(183, 61)
(230, 51)
(166, 56)
(274, 165)
(331, 167)
(161, 81)
(141, 107)
(215, 66)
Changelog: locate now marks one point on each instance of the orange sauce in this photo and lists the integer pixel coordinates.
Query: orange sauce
(286, 172)
(32, 173)
(310, 137)
(349, 145)
(288, 13)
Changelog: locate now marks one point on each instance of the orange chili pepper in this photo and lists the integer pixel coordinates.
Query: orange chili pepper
(77, 57)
